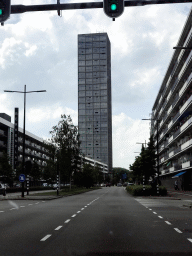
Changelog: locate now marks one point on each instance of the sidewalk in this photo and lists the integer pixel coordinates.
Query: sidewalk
(31, 196)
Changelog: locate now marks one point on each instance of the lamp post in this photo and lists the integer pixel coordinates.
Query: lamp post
(157, 152)
(23, 163)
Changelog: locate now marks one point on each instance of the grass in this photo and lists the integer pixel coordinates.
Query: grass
(66, 191)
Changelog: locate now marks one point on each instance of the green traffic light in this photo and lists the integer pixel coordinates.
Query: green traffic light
(1, 11)
(113, 7)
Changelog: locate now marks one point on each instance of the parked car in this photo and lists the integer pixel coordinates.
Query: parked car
(45, 185)
(125, 184)
(119, 185)
(108, 185)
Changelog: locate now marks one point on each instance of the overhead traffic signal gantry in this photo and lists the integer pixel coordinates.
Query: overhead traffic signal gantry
(5, 10)
(113, 8)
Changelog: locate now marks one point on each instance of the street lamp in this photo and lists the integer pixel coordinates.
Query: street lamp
(157, 152)
(24, 92)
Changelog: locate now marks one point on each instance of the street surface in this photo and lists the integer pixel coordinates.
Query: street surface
(107, 221)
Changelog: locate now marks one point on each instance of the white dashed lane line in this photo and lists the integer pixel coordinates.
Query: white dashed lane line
(73, 215)
(22, 206)
(160, 217)
(154, 212)
(30, 204)
(179, 231)
(190, 240)
(1, 211)
(45, 238)
(78, 211)
(82, 209)
(67, 221)
(168, 222)
(59, 227)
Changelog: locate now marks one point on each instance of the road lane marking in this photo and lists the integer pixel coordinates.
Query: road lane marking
(82, 209)
(67, 221)
(190, 240)
(45, 238)
(1, 211)
(22, 206)
(73, 215)
(37, 203)
(150, 209)
(30, 204)
(160, 217)
(154, 212)
(58, 227)
(85, 206)
(78, 211)
(12, 209)
(43, 201)
(168, 222)
(179, 231)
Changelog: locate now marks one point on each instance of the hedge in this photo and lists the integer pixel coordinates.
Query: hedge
(137, 190)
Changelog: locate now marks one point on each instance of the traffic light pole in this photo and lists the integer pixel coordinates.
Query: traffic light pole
(57, 7)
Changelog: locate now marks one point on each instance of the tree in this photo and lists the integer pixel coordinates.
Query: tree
(65, 137)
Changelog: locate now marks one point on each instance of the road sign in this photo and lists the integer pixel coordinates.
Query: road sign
(22, 177)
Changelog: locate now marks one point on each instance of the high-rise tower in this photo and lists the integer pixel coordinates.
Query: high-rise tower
(94, 97)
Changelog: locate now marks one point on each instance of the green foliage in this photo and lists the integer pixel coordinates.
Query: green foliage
(145, 162)
(118, 174)
(137, 190)
(65, 137)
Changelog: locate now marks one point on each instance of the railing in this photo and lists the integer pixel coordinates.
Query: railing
(185, 104)
(171, 153)
(176, 116)
(185, 64)
(186, 144)
(170, 139)
(177, 150)
(186, 164)
(176, 133)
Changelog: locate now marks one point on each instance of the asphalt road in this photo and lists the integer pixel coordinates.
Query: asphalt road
(103, 222)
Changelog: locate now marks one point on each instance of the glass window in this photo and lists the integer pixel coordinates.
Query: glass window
(89, 81)
(103, 56)
(103, 86)
(81, 57)
(89, 99)
(95, 68)
(103, 62)
(96, 99)
(88, 38)
(89, 112)
(104, 99)
(89, 69)
(96, 74)
(95, 62)
(81, 63)
(89, 75)
(96, 80)
(82, 125)
(103, 92)
(89, 118)
(88, 45)
(81, 75)
(88, 93)
(95, 56)
(89, 57)
(96, 118)
(103, 74)
(89, 105)
(88, 62)
(96, 112)
(103, 50)
(89, 50)
(81, 45)
(88, 87)
(96, 38)
(81, 118)
(96, 87)
(103, 124)
(81, 112)
(96, 105)
(96, 93)
(81, 100)
(81, 87)
(81, 81)
(103, 44)
(96, 44)
(81, 93)
(103, 80)
(103, 38)
(103, 68)
(81, 51)
(81, 38)
(103, 105)
(95, 50)
(81, 69)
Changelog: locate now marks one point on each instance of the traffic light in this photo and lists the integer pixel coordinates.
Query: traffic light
(5, 10)
(113, 8)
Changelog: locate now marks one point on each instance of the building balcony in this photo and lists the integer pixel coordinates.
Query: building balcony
(171, 153)
(170, 124)
(186, 144)
(186, 164)
(171, 169)
(170, 139)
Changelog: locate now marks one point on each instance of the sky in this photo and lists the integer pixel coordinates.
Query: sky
(39, 50)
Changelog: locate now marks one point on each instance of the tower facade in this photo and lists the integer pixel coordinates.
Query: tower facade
(94, 97)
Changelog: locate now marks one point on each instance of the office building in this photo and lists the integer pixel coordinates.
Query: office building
(172, 112)
(94, 97)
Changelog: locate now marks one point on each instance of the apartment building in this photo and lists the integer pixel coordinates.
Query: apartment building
(172, 114)
(34, 146)
(94, 97)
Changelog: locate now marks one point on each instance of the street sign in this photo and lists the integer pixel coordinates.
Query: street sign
(22, 177)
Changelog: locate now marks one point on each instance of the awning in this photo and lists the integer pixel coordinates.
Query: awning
(178, 174)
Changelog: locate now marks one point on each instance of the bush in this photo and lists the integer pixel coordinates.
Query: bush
(137, 190)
